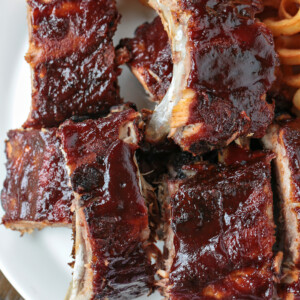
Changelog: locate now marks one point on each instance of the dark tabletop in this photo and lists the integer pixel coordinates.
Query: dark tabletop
(7, 292)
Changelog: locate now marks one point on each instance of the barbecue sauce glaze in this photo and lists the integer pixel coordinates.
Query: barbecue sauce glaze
(72, 58)
(224, 232)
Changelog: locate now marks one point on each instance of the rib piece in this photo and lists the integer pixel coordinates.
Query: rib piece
(150, 58)
(220, 232)
(112, 247)
(36, 192)
(224, 63)
(72, 58)
(283, 138)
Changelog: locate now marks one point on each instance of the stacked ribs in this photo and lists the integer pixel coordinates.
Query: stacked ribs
(82, 170)
(196, 172)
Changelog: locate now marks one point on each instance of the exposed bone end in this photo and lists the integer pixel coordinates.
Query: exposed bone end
(157, 129)
(129, 131)
(83, 274)
(163, 5)
(159, 125)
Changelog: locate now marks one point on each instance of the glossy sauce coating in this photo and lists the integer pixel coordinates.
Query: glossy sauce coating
(104, 175)
(36, 186)
(224, 232)
(233, 64)
(86, 144)
(72, 58)
(115, 222)
(151, 58)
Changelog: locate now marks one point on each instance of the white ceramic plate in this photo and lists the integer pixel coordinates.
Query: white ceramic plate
(36, 264)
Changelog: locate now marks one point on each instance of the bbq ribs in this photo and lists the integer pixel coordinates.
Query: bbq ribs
(72, 57)
(113, 239)
(283, 138)
(36, 191)
(112, 247)
(150, 58)
(220, 231)
(224, 63)
(208, 65)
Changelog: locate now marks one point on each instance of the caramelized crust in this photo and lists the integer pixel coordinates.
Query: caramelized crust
(72, 59)
(36, 192)
(222, 224)
(112, 245)
(224, 63)
(150, 58)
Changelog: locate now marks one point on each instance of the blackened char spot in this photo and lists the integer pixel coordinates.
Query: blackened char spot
(87, 178)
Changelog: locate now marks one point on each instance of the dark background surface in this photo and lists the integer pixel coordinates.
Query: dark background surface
(7, 292)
